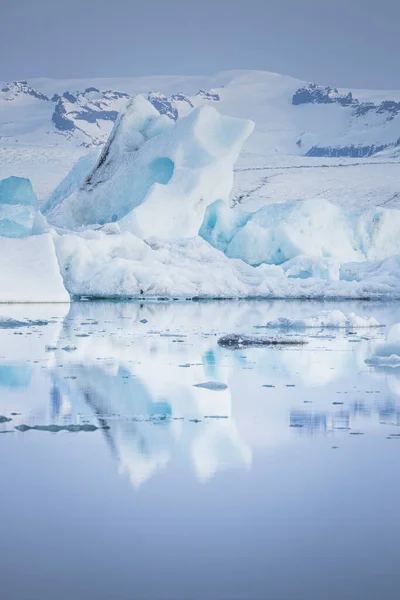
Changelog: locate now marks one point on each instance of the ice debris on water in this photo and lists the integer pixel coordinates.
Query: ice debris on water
(330, 319)
(236, 341)
(57, 428)
(9, 323)
(216, 386)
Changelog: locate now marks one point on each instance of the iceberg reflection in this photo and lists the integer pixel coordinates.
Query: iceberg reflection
(136, 372)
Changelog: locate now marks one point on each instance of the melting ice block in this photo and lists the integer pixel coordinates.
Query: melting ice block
(155, 177)
(18, 207)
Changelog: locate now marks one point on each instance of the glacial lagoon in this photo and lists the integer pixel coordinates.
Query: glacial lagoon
(142, 460)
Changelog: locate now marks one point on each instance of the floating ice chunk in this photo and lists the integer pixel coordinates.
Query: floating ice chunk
(156, 177)
(29, 270)
(237, 341)
(328, 319)
(215, 386)
(315, 228)
(99, 265)
(18, 207)
(9, 323)
(57, 428)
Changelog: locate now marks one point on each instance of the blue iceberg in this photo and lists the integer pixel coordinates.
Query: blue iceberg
(18, 207)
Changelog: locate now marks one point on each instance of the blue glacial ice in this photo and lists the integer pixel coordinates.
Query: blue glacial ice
(18, 207)
(154, 177)
(150, 217)
(313, 234)
(29, 270)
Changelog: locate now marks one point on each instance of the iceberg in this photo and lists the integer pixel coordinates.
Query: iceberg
(72, 182)
(149, 217)
(18, 207)
(278, 233)
(29, 269)
(154, 177)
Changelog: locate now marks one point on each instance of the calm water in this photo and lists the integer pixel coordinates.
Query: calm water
(289, 491)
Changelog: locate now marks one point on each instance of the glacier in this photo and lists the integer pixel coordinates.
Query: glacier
(150, 217)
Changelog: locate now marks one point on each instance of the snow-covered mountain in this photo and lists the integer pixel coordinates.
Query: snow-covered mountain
(292, 117)
(305, 133)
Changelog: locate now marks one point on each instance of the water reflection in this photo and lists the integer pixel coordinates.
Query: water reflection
(132, 369)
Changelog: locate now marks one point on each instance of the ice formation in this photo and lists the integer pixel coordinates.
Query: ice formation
(236, 341)
(149, 217)
(18, 207)
(72, 182)
(277, 233)
(156, 178)
(29, 269)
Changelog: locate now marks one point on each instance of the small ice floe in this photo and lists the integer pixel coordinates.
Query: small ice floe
(216, 417)
(216, 386)
(330, 319)
(236, 341)
(9, 323)
(57, 428)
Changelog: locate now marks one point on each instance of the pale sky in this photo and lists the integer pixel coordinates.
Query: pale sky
(345, 43)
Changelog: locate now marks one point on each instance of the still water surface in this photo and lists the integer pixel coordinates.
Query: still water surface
(283, 485)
